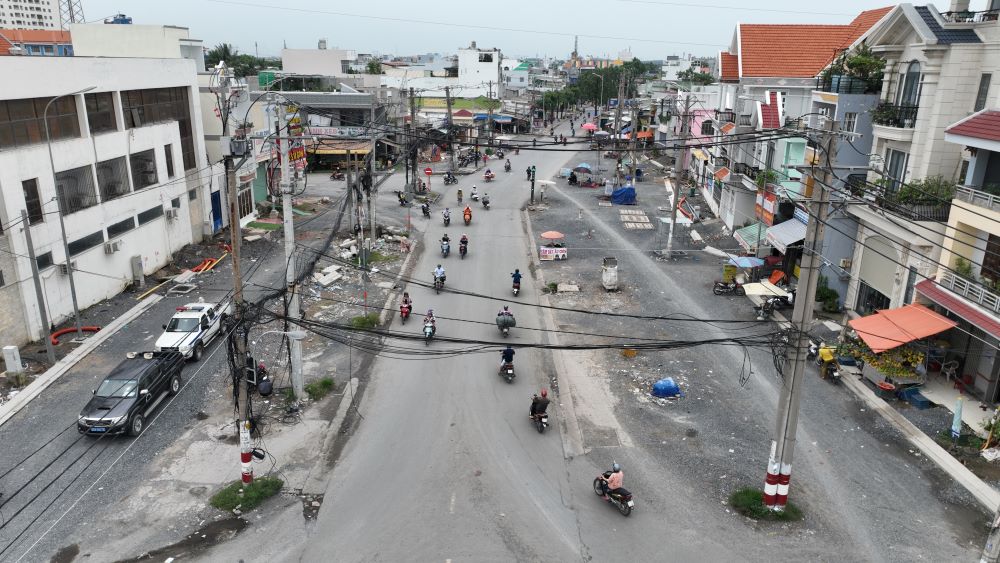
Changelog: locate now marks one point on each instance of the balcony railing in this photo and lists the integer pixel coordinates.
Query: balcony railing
(971, 291)
(976, 197)
(892, 115)
(924, 210)
(968, 16)
(848, 85)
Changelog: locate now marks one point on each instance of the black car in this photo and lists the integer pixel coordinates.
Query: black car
(126, 397)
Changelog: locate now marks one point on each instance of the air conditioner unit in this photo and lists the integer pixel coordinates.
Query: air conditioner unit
(171, 213)
(845, 263)
(111, 247)
(64, 270)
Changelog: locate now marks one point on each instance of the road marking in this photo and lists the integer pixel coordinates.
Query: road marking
(451, 506)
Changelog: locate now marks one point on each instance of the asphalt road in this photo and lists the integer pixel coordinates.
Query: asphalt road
(61, 494)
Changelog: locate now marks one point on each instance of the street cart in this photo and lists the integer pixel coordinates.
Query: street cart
(609, 273)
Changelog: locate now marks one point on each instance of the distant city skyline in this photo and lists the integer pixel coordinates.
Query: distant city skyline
(650, 29)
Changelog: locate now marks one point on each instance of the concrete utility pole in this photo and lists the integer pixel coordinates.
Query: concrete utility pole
(779, 465)
(287, 185)
(412, 145)
(451, 138)
(633, 142)
(680, 160)
(356, 210)
(618, 124)
(370, 169)
(489, 109)
(235, 239)
(43, 315)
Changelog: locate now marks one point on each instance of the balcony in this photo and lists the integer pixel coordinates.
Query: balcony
(971, 291)
(976, 197)
(967, 16)
(839, 84)
(931, 210)
(892, 115)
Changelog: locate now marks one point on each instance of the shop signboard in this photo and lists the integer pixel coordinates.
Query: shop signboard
(344, 132)
(552, 253)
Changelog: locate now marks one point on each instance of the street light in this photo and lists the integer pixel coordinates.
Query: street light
(62, 224)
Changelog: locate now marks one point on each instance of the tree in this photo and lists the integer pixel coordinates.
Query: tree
(242, 64)
(221, 52)
(695, 77)
(374, 67)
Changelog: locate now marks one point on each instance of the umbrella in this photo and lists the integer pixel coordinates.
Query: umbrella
(552, 235)
(588, 126)
(746, 262)
(583, 168)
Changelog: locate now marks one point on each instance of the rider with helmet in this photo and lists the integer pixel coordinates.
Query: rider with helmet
(539, 403)
(613, 484)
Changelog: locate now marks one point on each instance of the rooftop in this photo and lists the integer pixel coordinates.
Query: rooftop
(10, 37)
(983, 125)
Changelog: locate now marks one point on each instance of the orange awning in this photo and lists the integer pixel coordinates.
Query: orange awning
(888, 329)
(647, 134)
(721, 174)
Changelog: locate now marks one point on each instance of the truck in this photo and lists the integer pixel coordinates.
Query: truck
(128, 395)
(193, 327)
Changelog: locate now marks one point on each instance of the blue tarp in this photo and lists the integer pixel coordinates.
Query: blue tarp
(623, 196)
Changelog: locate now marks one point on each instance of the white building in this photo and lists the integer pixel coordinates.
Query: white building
(318, 62)
(123, 159)
(34, 14)
(480, 69)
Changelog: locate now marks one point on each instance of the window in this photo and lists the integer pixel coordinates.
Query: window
(75, 189)
(850, 122)
(963, 172)
(984, 90)
(168, 151)
(895, 169)
(100, 112)
(32, 201)
(707, 128)
(909, 86)
(911, 282)
(175, 203)
(192, 195)
(870, 300)
(143, 168)
(121, 227)
(86, 243)
(142, 107)
(991, 259)
(112, 180)
(21, 121)
(150, 214)
(486, 57)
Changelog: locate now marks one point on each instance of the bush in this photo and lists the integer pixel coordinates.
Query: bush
(246, 497)
(933, 189)
(319, 389)
(365, 321)
(750, 503)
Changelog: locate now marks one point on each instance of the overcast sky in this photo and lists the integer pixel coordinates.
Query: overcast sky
(652, 29)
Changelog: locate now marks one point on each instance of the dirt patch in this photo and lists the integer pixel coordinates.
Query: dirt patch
(66, 554)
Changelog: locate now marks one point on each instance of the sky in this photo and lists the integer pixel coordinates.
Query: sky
(650, 29)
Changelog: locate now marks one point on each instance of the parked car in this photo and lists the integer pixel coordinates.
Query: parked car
(192, 328)
(124, 400)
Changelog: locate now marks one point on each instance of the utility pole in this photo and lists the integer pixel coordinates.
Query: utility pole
(356, 210)
(50, 352)
(489, 109)
(779, 464)
(371, 189)
(413, 140)
(532, 184)
(634, 141)
(451, 138)
(287, 185)
(680, 159)
(235, 238)
(618, 123)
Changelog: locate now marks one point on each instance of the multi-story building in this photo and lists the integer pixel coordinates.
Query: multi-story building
(35, 42)
(125, 139)
(30, 14)
(318, 62)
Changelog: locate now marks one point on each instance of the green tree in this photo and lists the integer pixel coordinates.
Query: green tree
(374, 67)
(221, 52)
(693, 76)
(932, 190)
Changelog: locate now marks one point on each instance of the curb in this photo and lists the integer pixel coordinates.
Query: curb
(985, 494)
(42, 382)
(388, 312)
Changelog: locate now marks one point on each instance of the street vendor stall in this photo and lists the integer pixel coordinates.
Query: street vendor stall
(553, 249)
(888, 343)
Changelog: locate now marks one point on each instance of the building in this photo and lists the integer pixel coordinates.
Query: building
(128, 40)
(318, 62)
(34, 14)
(123, 157)
(35, 42)
(939, 69)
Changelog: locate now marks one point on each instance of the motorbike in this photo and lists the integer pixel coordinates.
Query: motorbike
(403, 202)
(467, 217)
(827, 362)
(337, 176)
(475, 196)
(772, 304)
(506, 168)
(541, 421)
(445, 249)
(499, 155)
(813, 350)
(426, 209)
(622, 499)
(447, 220)
(723, 288)
(488, 177)
(438, 284)
(404, 312)
(517, 288)
(505, 323)
(449, 180)
(486, 203)
(428, 332)
(463, 249)
(507, 372)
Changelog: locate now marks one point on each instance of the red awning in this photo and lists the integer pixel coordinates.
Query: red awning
(721, 174)
(979, 317)
(890, 328)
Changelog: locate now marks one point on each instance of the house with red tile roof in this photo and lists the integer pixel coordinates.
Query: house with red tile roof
(35, 42)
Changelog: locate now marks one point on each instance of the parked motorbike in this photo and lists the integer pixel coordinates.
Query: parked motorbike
(517, 288)
(428, 332)
(463, 249)
(622, 499)
(772, 304)
(724, 288)
(813, 350)
(438, 283)
(541, 421)
(507, 372)
(445, 249)
(404, 312)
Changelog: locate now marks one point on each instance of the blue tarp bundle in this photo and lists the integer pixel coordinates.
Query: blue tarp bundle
(623, 196)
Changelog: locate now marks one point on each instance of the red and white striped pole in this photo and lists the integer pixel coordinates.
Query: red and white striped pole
(771, 481)
(246, 452)
(783, 480)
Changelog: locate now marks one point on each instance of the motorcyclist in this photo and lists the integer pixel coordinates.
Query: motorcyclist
(489, 172)
(406, 300)
(439, 273)
(460, 195)
(539, 403)
(614, 481)
(506, 356)
(467, 212)
(486, 199)
(516, 276)
(506, 165)
(446, 214)
(464, 241)
(505, 312)
(425, 208)
(448, 176)
(429, 319)
(402, 198)
(473, 194)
